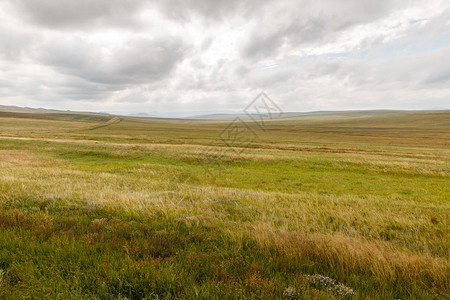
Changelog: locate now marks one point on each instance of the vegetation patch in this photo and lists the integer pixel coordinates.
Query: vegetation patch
(127, 210)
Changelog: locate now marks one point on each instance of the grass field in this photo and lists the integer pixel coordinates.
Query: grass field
(99, 207)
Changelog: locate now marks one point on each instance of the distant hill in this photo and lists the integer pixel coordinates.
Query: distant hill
(51, 114)
(17, 109)
(286, 115)
(142, 115)
(42, 113)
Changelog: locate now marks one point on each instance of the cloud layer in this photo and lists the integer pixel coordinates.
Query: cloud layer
(199, 55)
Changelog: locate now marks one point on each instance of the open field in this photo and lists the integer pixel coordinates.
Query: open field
(99, 207)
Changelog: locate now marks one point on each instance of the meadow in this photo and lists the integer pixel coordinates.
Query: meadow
(348, 205)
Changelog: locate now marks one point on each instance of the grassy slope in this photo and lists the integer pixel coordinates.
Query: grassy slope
(128, 210)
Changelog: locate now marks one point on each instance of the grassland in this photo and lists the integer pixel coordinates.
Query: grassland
(126, 208)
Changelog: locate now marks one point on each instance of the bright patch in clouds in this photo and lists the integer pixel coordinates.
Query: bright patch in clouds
(200, 56)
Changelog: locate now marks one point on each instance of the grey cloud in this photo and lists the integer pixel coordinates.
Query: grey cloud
(304, 23)
(438, 65)
(83, 14)
(15, 43)
(22, 80)
(414, 71)
(133, 97)
(273, 77)
(148, 60)
(73, 88)
(71, 53)
(138, 61)
(49, 53)
(62, 14)
(441, 78)
(216, 10)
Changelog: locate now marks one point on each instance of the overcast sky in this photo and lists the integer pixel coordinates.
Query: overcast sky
(217, 55)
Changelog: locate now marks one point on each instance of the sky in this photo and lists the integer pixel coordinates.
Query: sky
(192, 56)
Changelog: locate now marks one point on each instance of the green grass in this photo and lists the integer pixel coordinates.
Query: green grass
(92, 207)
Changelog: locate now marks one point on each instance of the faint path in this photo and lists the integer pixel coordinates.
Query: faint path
(110, 122)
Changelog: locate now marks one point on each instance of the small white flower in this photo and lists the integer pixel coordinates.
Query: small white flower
(329, 284)
(290, 293)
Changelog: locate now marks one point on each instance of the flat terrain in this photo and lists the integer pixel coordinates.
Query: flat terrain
(93, 206)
